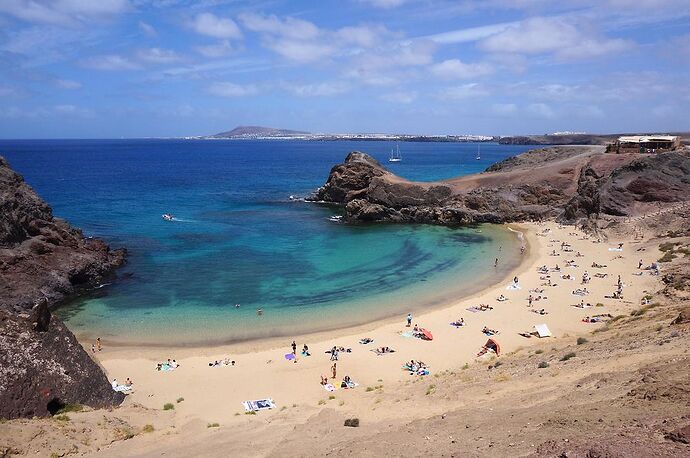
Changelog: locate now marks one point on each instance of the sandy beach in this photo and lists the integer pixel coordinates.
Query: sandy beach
(215, 394)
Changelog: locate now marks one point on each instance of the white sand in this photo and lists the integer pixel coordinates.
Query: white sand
(215, 394)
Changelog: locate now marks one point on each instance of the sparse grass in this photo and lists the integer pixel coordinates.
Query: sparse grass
(380, 380)
(352, 422)
(54, 455)
(169, 406)
(331, 397)
(212, 425)
(568, 356)
(581, 340)
(543, 365)
(538, 352)
(124, 433)
(599, 304)
(668, 257)
(321, 402)
(61, 417)
(502, 378)
(147, 429)
(179, 400)
(251, 412)
(498, 363)
(369, 388)
(667, 246)
(71, 408)
(466, 366)
(341, 403)
(294, 405)
(616, 318)
(430, 389)
(283, 408)
(659, 328)
(237, 414)
(604, 328)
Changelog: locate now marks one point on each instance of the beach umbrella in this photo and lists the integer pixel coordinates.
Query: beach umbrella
(426, 335)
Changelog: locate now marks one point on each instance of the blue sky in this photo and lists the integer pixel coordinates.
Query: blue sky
(137, 68)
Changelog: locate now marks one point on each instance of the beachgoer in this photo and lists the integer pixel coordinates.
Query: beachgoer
(324, 380)
(333, 369)
(305, 350)
(530, 299)
(93, 348)
(294, 348)
(114, 384)
(496, 263)
(129, 382)
(98, 344)
(639, 264)
(409, 320)
(237, 306)
(259, 312)
(515, 280)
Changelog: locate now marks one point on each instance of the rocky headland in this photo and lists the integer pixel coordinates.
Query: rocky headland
(571, 183)
(44, 261)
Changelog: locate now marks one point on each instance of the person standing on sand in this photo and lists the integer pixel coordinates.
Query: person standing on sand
(496, 263)
(409, 320)
(294, 348)
(333, 370)
(98, 344)
(530, 299)
(639, 264)
(93, 348)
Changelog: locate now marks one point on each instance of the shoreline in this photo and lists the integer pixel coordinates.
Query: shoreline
(263, 343)
(215, 393)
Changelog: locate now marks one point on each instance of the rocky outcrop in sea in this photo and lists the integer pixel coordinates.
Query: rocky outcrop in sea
(571, 183)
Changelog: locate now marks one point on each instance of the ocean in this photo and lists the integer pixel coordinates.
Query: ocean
(238, 238)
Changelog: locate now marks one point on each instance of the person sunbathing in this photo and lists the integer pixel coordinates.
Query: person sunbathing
(489, 332)
(484, 307)
(541, 312)
(324, 380)
(458, 322)
(501, 298)
(566, 277)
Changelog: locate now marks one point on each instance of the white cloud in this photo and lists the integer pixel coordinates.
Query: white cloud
(363, 35)
(462, 91)
(68, 84)
(63, 111)
(470, 34)
(540, 35)
(404, 97)
(228, 89)
(456, 69)
(110, 62)
(217, 50)
(148, 29)
(217, 27)
(290, 27)
(62, 12)
(158, 56)
(317, 90)
(301, 51)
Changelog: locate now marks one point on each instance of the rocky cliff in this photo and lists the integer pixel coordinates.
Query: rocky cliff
(43, 260)
(564, 182)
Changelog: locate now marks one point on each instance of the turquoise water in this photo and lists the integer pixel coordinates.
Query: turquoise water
(240, 240)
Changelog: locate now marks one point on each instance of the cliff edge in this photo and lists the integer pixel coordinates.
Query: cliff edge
(43, 260)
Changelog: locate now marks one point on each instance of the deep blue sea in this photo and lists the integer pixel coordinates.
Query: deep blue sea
(239, 239)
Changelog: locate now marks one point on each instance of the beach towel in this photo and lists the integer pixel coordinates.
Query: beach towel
(455, 324)
(122, 388)
(473, 309)
(289, 356)
(615, 249)
(260, 404)
(407, 334)
(329, 387)
(513, 286)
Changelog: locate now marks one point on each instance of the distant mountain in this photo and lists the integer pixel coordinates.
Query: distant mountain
(258, 132)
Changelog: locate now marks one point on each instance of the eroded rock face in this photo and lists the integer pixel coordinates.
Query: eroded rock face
(42, 257)
(570, 183)
(43, 260)
(43, 368)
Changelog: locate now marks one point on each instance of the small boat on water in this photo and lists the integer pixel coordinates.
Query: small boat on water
(479, 157)
(168, 217)
(336, 218)
(395, 157)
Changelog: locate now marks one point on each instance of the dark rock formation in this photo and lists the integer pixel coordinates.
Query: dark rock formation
(44, 368)
(42, 257)
(43, 260)
(567, 182)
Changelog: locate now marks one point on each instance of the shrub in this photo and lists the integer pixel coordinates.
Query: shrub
(71, 408)
(539, 352)
(331, 397)
(667, 246)
(581, 340)
(352, 422)
(466, 366)
(212, 425)
(179, 400)
(567, 356)
(169, 406)
(147, 429)
(430, 389)
(251, 412)
(321, 402)
(369, 388)
(667, 257)
(61, 417)
(543, 365)
(498, 363)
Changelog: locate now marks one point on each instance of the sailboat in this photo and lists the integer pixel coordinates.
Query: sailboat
(395, 157)
(478, 150)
